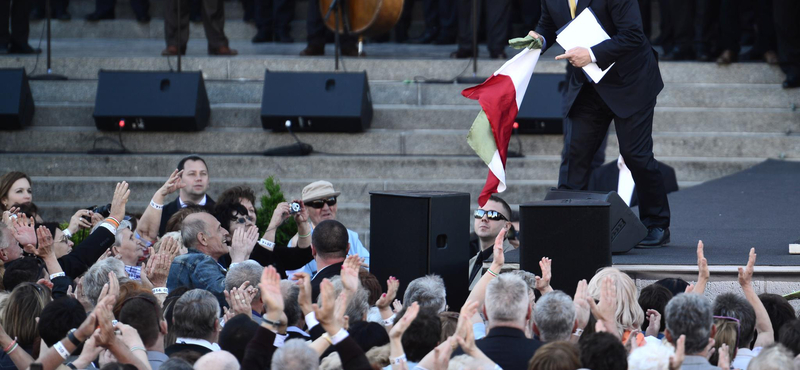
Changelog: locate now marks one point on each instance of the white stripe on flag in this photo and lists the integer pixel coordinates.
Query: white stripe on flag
(496, 166)
(519, 69)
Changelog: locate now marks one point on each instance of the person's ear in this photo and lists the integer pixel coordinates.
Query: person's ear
(713, 331)
(668, 335)
(536, 330)
(3, 255)
(313, 251)
(201, 238)
(162, 327)
(348, 249)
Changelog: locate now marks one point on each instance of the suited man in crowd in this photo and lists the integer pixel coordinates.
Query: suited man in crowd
(626, 95)
(787, 29)
(498, 19)
(213, 13)
(195, 180)
(616, 176)
(104, 9)
(329, 246)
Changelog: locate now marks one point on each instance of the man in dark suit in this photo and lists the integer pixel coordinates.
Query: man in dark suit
(195, 181)
(329, 245)
(195, 321)
(627, 95)
(104, 9)
(213, 13)
(788, 31)
(607, 178)
(16, 41)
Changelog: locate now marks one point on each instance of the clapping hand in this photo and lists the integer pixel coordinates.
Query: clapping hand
(581, 303)
(24, 232)
(543, 282)
(240, 301)
(45, 244)
(111, 288)
(349, 273)
(605, 311)
(400, 326)
(328, 314)
(156, 269)
(392, 285)
(121, 194)
(746, 273)
(303, 281)
(270, 287)
(654, 323)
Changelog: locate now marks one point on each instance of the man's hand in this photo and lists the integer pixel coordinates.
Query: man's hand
(173, 184)
(242, 243)
(402, 325)
(349, 273)
(655, 323)
(582, 308)
(498, 254)
(702, 270)
(578, 57)
(543, 283)
(121, 194)
(328, 314)
(239, 301)
(746, 273)
(303, 281)
(156, 270)
(77, 221)
(24, 232)
(536, 35)
(271, 290)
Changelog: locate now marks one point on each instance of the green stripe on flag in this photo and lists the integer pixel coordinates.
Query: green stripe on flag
(481, 138)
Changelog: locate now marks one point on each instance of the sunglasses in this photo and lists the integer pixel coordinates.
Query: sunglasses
(319, 203)
(492, 215)
(738, 326)
(244, 219)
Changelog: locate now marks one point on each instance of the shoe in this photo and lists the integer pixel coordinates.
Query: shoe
(349, 51)
(172, 51)
(444, 40)
(261, 37)
(771, 58)
(500, 55)
(426, 38)
(222, 50)
(461, 54)
(64, 16)
(727, 57)
(25, 49)
(94, 17)
(656, 238)
(143, 19)
(284, 38)
(313, 50)
(791, 82)
(704, 57)
(678, 54)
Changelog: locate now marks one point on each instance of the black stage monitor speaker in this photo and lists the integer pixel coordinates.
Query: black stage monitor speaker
(151, 101)
(16, 101)
(626, 231)
(316, 101)
(572, 232)
(541, 111)
(415, 233)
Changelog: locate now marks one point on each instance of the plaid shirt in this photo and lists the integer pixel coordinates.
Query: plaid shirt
(134, 272)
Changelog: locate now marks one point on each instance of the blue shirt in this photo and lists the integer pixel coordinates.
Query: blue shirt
(355, 248)
(196, 270)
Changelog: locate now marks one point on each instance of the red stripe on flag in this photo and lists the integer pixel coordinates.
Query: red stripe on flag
(498, 98)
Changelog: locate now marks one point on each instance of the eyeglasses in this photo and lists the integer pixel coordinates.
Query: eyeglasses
(738, 326)
(244, 219)
(492, 215)
(319, 203)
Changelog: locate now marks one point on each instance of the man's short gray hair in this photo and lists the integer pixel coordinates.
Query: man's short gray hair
(97, 276)
(295, 355)
(195, 314)
(506, 299)
(175, 364)
(358, 306)
(690, 315)
(124, 224)
(554, 316)
(244, 271)
(4, 234)
(774, 357)
(428, 291)
(291, 307)
(190, 229)
(217, 360)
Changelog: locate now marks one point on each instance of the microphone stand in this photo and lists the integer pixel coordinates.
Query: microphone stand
(297, 149)
(338, 19)
(180, 40)
(49, 76)
(474, 79)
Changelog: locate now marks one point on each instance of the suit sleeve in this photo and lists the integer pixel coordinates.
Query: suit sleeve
(630, 35)
(352, 356)
(86, 254)
(546, 27)
(259, 351)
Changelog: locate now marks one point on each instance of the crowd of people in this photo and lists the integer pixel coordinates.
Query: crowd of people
(194, 284)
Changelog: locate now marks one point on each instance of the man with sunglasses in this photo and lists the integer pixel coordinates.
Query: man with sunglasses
(489, 220)
(320, 200)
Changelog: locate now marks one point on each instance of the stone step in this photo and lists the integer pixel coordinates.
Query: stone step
(83, 58)
(678, 95)
(407, 117)
(336, 168)
(380, 142)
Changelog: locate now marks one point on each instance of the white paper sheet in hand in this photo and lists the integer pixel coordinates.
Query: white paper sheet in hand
(584, 31)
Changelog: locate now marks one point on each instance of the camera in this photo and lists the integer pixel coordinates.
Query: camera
(294, 208)
(105, 211)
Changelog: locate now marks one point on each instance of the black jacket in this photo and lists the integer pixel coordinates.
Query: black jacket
(606, 178)
(326, 273)
(173, 207)
(507, 347)
(86, 254)
(635, 80)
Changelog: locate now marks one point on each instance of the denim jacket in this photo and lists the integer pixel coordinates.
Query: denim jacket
(196, 270)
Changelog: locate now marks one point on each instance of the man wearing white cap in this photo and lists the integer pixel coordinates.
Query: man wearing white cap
(320, 200)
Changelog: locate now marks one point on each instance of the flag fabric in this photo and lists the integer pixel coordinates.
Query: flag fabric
(500, 97)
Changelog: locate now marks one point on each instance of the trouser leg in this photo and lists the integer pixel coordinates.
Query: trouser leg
(214, 23)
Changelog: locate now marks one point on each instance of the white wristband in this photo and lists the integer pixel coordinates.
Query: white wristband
(399, 359)
(57, 274)
(161, 290)
(67, 233)
(61, 350)
(266, 244)
(156, 205)
(340, 336)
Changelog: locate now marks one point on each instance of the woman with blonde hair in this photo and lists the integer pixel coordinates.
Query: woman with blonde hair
(25, 304)
(629, 314)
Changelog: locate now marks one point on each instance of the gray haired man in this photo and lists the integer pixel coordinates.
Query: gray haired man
(691, 315)
(195, 320)
(554, 317)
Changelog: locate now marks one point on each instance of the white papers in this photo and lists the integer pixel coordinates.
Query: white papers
(584, 31)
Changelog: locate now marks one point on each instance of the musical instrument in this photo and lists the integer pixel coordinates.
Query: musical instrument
(361, 17)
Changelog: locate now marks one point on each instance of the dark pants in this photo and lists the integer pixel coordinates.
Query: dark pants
(18, 12)
(765, 23)
(498, 17)
(440, 17)
(647, 19)
(585, 128)
(213, 12)
(274, 16)
(695, 24)
(315, 26)
(666, 27)
(140, 7)
(730, 28)
(787, 29)
(57, 7)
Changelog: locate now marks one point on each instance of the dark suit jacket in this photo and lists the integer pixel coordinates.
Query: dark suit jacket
(635, 79)
(606, 178)
(326, 273)
(186, 351)
(259, 351)
(507, 347)
(173, 207)
(86, 254)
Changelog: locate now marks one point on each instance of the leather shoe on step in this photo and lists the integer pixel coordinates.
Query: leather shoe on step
(727, 57)
(791, 82)
(172, 51)
(24, 49)
(94, 17)
(426, 38)
(656, 238)
(313, 50)
(222, 50)
(461, 54)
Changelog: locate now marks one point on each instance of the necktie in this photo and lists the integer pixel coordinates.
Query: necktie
(572, 7)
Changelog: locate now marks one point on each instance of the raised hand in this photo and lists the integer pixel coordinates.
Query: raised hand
(78, 220)
(349, 273)
(327, 313)
(111, 288)
(24, 232)
(582, 308)
(392, 285)
(654, 326)
(279, 215)
(239, 301)
(702, 270)
(397, 306)
(156, 270)
(302, 216)
(239, 247)
(169, 247)
(173, 184)
(746, 273)
(468, 310)
(498, 255)
(271, 290)
(402, 325)
(303, 281)
(724, 358)
(606, 310)
(543, 282)
(105, 316)
(121, 194)
(45, 239)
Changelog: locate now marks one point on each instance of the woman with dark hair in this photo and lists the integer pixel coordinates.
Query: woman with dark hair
(25, 304)
(15, 189)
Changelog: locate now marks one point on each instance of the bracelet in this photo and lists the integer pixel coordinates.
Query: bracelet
(13, 342)
(266, 244)
(137, 348)
(67, 233)
(72, 338)
(156, 205)
(113, 221)
(399, 359)
(161, 290)
(57, 274)
(61, 350)
(14, 348)
(307, 235)
(491, 272)
(327, 337)
(389, 320)
(267, 321)
(578, 332)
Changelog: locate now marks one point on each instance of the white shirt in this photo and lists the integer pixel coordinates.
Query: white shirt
(198, 342)
(202, 202)
(625, 184)
(743, 357)
(591, 54)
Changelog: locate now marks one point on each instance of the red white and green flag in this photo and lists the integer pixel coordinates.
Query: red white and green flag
(500, 97)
